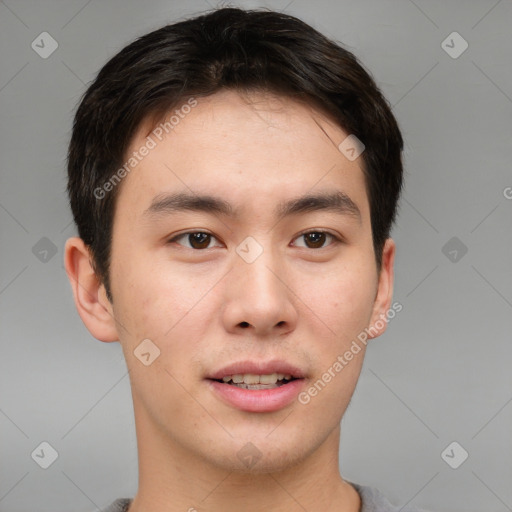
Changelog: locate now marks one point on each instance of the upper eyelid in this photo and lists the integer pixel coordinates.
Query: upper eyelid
(337, 238)
(318, 230)
(174, 237)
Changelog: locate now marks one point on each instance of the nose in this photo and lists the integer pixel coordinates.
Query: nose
(259, 297)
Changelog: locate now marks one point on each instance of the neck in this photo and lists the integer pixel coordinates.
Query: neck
(173, 478)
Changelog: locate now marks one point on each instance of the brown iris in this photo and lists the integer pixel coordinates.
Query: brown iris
(317, 239)
(199, 240)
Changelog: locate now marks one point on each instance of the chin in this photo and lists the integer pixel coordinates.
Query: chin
(266, 453)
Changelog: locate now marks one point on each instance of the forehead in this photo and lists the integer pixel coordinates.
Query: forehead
(242, 148)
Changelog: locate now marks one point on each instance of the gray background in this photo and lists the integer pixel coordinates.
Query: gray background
(442, 371)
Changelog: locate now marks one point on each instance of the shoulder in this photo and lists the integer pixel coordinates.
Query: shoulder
(120, 505)
(373, 500)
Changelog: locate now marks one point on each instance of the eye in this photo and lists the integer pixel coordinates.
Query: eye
(317, 238)
(201, 240)
(197, 239)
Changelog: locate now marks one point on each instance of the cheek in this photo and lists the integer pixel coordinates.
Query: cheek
(341, 299)
(160, 306)
(343, 302)
(152, 296)
(163, 303)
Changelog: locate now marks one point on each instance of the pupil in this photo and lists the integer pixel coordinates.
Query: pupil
(319, 238)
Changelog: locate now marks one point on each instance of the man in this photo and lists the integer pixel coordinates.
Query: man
(234, 179)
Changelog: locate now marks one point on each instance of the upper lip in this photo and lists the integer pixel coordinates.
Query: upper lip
(258, 368)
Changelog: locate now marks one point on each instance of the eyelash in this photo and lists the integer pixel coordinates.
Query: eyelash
(336, 238)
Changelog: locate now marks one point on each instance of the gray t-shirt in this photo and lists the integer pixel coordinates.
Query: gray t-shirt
(372, 500)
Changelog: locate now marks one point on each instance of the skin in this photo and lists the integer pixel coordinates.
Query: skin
(205, 308)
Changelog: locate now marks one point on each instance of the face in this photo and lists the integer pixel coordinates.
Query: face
(244, 282)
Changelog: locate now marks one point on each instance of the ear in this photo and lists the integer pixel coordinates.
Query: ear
(384, 296)
(91, 301)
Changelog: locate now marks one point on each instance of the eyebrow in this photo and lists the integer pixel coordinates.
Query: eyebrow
(337, 202)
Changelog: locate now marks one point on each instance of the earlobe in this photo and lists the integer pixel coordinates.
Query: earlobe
(384, 294)
(88, 292)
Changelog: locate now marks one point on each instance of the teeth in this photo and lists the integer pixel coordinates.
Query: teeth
(250, 378)
(266, 379)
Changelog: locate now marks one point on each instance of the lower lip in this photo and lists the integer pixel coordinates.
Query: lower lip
(258, 400)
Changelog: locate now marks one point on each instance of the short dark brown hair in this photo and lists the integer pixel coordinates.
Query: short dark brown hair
(228, 48)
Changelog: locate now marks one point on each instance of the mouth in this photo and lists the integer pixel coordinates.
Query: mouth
(257, 374)
(255, 382)
(257, 386)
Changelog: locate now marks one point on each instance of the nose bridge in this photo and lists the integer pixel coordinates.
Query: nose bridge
(257, 269)
(257, 292)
